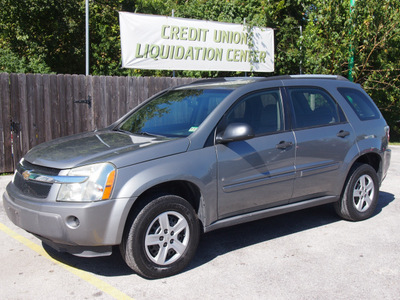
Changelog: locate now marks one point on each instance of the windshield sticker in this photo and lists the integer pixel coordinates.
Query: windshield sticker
(193, 129)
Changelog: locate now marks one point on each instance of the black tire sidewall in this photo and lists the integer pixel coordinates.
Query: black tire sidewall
(135, 245)
(353, 213)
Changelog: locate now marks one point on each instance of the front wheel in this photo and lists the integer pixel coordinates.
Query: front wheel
(162, 238)
(360, 195)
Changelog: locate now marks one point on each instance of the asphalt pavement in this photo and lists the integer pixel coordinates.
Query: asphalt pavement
(310, 254)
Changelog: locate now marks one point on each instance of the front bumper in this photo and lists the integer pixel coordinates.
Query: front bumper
(85, 229)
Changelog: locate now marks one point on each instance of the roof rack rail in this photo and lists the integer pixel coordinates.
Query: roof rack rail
(227, 79)
(234, 80)
(318, 76)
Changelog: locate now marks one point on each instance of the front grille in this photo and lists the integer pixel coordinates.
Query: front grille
(38, 169)
(33, 188)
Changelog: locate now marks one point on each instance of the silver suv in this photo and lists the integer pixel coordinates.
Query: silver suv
(200, 157)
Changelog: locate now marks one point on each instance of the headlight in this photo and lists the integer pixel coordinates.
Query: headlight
(96, 183)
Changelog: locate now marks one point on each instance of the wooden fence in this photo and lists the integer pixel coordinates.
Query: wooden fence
(36, 108)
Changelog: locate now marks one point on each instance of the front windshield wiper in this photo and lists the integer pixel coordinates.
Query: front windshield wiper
(145, 133)
(142, 133)
(123, 131)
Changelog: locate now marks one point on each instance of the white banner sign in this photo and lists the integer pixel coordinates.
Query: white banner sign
(165, 43)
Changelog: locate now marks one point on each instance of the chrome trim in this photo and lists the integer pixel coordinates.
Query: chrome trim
(31, 175)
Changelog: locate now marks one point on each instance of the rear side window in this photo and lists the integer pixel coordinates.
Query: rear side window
(360, 103)
(314, 107)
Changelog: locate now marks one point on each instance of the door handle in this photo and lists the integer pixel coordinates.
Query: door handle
(284, 145)
(343, 133)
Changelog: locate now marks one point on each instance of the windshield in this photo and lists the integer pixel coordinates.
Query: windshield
(177, 113)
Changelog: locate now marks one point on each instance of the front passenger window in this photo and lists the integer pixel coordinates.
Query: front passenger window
(262, 111)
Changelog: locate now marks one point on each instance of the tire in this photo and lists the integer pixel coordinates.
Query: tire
(162, 238)
(360, 195)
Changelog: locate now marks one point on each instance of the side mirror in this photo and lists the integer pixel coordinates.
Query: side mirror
(235, 132)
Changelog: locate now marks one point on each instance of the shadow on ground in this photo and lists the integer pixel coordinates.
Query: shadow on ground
(225, 240)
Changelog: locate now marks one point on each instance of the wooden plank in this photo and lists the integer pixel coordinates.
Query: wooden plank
(103, 114)
(24, 115)
(151, 86)
(75, 107)
(143, 89)
(132, 94)
(123, 92)
(61, 113)
(3, 126)
(80, 110)
(101, 108)
(89, 93)
(84, 108)
(15, 118)
(119, 101)
(107, 98)
(69, 104)
(29, 114)
(166, 83)
(54, 108)
(6, 164)
(47, 118)
(95, 99)
(40, 121)
(112, 100)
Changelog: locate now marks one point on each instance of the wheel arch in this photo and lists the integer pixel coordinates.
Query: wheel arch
(373, 159)
(181, 188)
(184, 189)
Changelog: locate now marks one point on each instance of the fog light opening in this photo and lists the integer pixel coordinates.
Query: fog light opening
(73, 222)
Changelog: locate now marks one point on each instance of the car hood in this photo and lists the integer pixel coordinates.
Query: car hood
(120, 148)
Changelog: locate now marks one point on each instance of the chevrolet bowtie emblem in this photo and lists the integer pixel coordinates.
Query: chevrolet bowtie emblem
(26, 174)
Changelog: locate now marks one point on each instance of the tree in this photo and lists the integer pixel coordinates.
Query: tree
(48, 31)
(377, 40)
(373, 30)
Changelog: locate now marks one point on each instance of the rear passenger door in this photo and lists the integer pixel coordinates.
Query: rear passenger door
(256, 173)
(324, 137)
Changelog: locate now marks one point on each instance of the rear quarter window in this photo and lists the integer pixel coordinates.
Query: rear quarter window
(360, 103)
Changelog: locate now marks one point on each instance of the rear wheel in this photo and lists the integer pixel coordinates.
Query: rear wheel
(360, 195)
(162, 238)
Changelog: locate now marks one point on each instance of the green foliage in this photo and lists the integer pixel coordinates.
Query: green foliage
(326, 37)
(377, 65)
(373, 28)
(11, 63)
(47, 31)
(105, 50)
